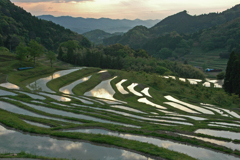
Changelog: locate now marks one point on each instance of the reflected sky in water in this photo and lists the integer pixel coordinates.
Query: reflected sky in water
(120, 87)
(14, 142)
(146, 101)
(34, 96)
(41, 84)
(9, 85)
(196, 152)
(14, 109)
(6, 93)
(145, 91)
(103, 90)
(56, 97)
(216, 133)
(68, 89)
(131, 89)
(200, 109)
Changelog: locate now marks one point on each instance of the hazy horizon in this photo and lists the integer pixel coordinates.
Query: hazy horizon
(128, 9)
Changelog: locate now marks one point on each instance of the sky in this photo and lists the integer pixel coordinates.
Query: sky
(123, 9)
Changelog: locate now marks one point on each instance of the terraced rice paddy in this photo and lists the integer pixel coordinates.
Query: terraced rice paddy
(115, 119)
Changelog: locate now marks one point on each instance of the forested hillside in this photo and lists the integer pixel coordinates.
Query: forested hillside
(169, 32)
(97, 36)
(17, 25)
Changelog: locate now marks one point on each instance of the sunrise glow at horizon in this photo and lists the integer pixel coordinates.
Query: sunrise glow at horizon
(122, 9)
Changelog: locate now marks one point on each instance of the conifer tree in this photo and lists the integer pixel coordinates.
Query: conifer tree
(228, 78)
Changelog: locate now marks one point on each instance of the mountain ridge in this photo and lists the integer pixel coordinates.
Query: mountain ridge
(82, 25)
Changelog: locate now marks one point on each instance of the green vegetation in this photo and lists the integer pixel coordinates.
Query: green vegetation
(159, 87)
(97, 36)
(118, 56)
(17, 25)
(232, 78)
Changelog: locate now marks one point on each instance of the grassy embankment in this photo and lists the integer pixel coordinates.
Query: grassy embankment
(158, 88)
(210, 59)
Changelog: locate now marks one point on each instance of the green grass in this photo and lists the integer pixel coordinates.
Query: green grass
(56, 84)
(159, 87)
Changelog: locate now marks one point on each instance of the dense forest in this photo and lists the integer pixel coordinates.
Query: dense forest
(118, 56)
(177, 34)
(17, 25)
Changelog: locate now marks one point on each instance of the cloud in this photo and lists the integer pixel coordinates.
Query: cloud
(56, 1)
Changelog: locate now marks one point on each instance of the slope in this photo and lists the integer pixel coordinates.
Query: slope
(17, 25)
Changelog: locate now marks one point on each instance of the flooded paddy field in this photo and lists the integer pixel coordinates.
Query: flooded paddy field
(116, 119)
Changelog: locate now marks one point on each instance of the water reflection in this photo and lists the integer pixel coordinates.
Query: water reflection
(200, 109)
(68, 89)
(134, 116)
(34, 96)
(41, 84)
(146, 101)
(14, 109)
(36, 124)
(182, 79)
(221, 143)
(207, 84)
(145, 91)
(103, 90)
(15, 142)
(216, 133)
(120, 87)
(131, 89)
(127, 108)
(70, 114)
(58, 98)
(9, 85)
(226, 124)
(196, 152)
(178, 106)
(6, 93)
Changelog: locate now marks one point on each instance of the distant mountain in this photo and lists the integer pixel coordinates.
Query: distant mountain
(82, 25)
(97, 36)
(182, 23)
(17, 25)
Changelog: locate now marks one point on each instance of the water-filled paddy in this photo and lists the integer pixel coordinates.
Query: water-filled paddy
(146, 101)
(6, 93)
(9, 85)
(34, 96)
(131, 89)
(68, 89)
(41, 84)
(70, 114)
(14, 109)
(15, 142)
(196, 152)
(120, 87)
(217, 133)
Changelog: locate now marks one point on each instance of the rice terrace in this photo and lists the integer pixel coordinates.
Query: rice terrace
(79, 88)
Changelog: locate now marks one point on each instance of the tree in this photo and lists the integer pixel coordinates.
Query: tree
(35, 49)
(228, 77)
(232, 78)
(164, 53)
(22, 52)
(51, 56)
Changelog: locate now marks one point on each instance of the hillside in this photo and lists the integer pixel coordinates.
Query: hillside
(97, 36)
(113, 114)
(182, 23)
(82, 25)
(17, 25)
